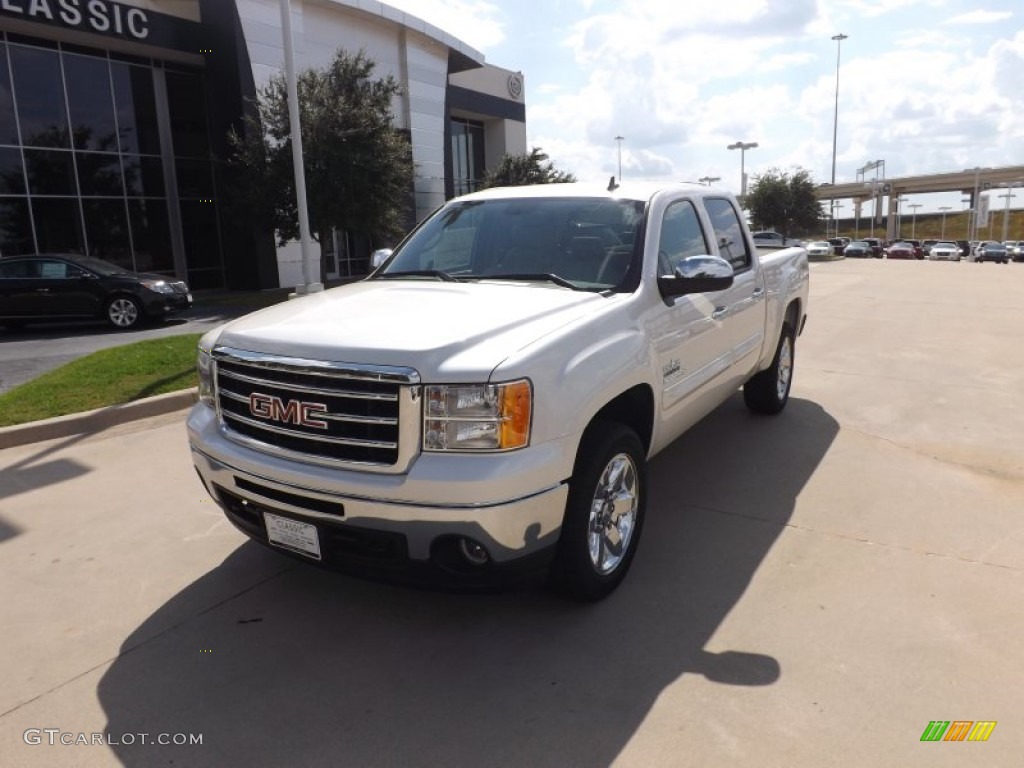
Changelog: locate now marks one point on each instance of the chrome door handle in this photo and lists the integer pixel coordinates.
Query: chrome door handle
(719, 313)
(758, 293)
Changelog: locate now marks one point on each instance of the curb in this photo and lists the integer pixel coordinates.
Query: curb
(91, 422)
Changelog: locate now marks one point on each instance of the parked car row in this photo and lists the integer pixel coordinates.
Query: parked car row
(48, 287)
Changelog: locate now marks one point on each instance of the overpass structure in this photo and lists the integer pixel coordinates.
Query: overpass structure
(970, 182)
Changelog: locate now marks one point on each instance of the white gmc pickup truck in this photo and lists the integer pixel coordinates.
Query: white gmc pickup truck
(485, 402)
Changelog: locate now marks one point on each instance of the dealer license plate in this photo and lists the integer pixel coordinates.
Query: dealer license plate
(293, 535)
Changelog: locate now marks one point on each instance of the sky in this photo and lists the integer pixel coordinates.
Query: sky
(928, 86)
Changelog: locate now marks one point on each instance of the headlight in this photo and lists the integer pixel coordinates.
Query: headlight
(205, 365)
(159, 286)
(487, 417)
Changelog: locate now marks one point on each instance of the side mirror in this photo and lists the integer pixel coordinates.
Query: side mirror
(379, 256)
(697, 274)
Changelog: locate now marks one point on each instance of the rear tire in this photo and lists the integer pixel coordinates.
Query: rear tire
(604, 514)
(768, 391)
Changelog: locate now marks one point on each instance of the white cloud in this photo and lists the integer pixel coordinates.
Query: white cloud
(476, 22)
(979, 17)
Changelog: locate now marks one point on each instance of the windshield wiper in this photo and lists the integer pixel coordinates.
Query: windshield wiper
(418, 273)
(527, 276)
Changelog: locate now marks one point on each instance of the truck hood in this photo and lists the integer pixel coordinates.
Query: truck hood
(446, 331)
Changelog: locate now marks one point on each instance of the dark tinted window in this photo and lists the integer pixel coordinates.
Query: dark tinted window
(8, 128)
(50, 172)
(725, 222)
(15, 227)
(39, 89)
(58, 225)
(199, 223)
(144, 176)
(17, 270)
(99, 174)
(91, 103)
(12, 174)
(106, 223)
(195, 178)
(136, 108)
(151, 235)
(187, 105)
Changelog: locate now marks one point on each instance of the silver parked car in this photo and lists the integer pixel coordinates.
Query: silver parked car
(819, 248)
(944, 251)
(992, 252)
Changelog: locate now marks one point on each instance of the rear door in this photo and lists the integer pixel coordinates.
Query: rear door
(743, 305)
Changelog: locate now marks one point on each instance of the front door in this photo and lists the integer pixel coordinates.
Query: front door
(690, 336)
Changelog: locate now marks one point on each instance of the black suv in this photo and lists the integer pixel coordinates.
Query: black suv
(50, 287)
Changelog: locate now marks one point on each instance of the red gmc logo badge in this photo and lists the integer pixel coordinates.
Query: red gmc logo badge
(296, 412)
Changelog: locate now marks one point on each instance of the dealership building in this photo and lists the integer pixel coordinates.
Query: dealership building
(114, 123)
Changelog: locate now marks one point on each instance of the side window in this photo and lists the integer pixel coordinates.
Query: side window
(681, 236)
(53, 270)
(13, 270)
(725, 222)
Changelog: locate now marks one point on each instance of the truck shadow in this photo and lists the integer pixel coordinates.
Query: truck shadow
(315, 668)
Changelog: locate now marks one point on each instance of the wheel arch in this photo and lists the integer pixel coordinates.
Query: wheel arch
(633, 408)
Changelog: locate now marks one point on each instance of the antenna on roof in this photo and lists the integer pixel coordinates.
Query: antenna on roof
(612, 186)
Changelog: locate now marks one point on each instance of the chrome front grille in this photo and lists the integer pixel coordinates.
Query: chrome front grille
(324, 412)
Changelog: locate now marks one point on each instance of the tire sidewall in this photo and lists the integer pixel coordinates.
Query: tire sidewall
(573, 572)
(787, 335)
(138, 312)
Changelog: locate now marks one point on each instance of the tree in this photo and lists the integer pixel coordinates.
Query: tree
(358, 165)
(784, 202)
(520, 170)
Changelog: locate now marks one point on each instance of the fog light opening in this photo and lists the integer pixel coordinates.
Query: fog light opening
(473, 552)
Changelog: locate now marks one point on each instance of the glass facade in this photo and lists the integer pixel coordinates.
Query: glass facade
(467, 155)
(91, 161)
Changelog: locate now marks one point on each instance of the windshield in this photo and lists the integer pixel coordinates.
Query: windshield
(101, 267)
(582, 243)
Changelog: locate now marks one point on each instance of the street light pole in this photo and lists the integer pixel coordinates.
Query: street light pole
(743, 147)
(944, 208)
(913, 220)
(708, 179)
(1006, 210)
(619, 140)
(835, 118)
(899, 216)
(305, 241)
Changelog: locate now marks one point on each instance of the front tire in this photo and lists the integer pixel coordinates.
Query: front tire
(768, 391)
(604, 514)
(124, 312)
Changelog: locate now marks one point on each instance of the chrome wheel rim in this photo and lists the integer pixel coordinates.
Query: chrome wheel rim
(613, 513)
(785, 368)
(123, 313)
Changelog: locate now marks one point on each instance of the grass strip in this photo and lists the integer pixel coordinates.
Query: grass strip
(108, 377)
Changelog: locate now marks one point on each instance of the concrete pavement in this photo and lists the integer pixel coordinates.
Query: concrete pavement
(812, 589)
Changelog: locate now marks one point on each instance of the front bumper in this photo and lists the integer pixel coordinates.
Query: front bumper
(156, 304)
(389, 523)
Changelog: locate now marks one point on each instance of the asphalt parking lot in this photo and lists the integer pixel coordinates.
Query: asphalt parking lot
(28, 353)
(812, 589)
